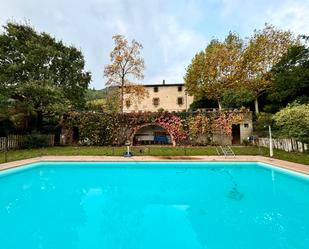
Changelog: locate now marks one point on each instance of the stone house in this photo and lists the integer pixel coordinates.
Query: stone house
(169, 97)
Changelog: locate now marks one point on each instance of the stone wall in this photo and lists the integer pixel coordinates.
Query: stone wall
(220, 139)
(246, 130)
(198, 128)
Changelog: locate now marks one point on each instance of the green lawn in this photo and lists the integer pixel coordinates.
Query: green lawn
(153, 151)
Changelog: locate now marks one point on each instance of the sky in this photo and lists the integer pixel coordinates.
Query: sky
(171, 31)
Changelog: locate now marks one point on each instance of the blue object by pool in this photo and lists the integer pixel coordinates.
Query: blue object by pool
(153, 206)
(160, 139)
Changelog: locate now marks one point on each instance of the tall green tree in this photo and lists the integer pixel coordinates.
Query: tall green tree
(40, 71)
(215, 70)
(290, 77)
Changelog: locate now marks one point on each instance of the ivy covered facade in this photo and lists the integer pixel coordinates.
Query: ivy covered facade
(185, 128)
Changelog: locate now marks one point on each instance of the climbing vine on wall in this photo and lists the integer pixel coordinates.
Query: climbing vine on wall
(199, 125)
(223, 122)
(174, 126)
(114, 129)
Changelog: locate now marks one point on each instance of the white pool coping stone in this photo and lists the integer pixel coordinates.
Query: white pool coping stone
(301, 168)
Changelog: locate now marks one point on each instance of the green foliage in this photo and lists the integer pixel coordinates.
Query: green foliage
(94, 128)
(98, 128)
(106, 100)
(12, 114)
(93, 94)
(290, 78)
(96, 105)
(4, 102)
(237, 98)
(43, 74)
(14, 155)
(43, 96)
(161, 110)
(245, 142)
(293, 121)
(112, 100)
(203, 103)
(263, 120)
(35, 141)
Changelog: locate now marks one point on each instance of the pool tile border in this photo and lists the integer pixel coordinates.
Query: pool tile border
(301, 168)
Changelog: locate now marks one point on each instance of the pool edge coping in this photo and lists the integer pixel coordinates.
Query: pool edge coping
(300, 168)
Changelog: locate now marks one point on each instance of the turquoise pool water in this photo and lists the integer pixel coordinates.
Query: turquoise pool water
(153, 206)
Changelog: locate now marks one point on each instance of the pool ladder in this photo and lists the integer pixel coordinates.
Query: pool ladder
(226, 150)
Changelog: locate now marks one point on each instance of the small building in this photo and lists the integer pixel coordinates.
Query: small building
(169, 97)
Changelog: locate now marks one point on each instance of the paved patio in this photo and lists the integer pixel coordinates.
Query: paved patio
(275, 162)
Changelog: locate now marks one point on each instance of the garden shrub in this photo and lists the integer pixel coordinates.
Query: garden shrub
(293, 121)
(35, 141)
(246, 142)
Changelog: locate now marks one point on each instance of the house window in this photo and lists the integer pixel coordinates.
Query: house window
(128, 103)
(156, 89)
(180, 101)
(156, 101)
(180, 89)
(246, 125)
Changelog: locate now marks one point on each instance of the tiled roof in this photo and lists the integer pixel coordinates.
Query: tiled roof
(163, 85)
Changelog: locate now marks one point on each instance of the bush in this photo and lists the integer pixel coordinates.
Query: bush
(246, 142)
(261, 124)
(293, 122)
(35, 141)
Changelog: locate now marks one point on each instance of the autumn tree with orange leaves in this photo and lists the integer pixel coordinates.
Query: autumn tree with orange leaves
(126, 65)
(215, 70)
(236, 65)
(264, 50)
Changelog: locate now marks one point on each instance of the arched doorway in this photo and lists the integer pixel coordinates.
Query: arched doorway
(152, 134)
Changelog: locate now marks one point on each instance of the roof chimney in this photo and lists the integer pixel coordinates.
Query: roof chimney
(163, 82)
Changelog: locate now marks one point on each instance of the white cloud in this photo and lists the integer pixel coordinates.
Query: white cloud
(170, 31)
(291, 15)
(168, 45)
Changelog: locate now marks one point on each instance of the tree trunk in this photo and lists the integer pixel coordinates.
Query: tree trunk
(303, 147)
(220, 106)
(122, 94)
(39, 120)
(256, 105)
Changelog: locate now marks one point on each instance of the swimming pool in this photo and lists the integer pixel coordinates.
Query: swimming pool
(153, 205)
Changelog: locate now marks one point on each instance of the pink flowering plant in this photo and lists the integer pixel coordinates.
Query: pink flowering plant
(97, 128)
(174, 126)
(223, 122)
(199, 125)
